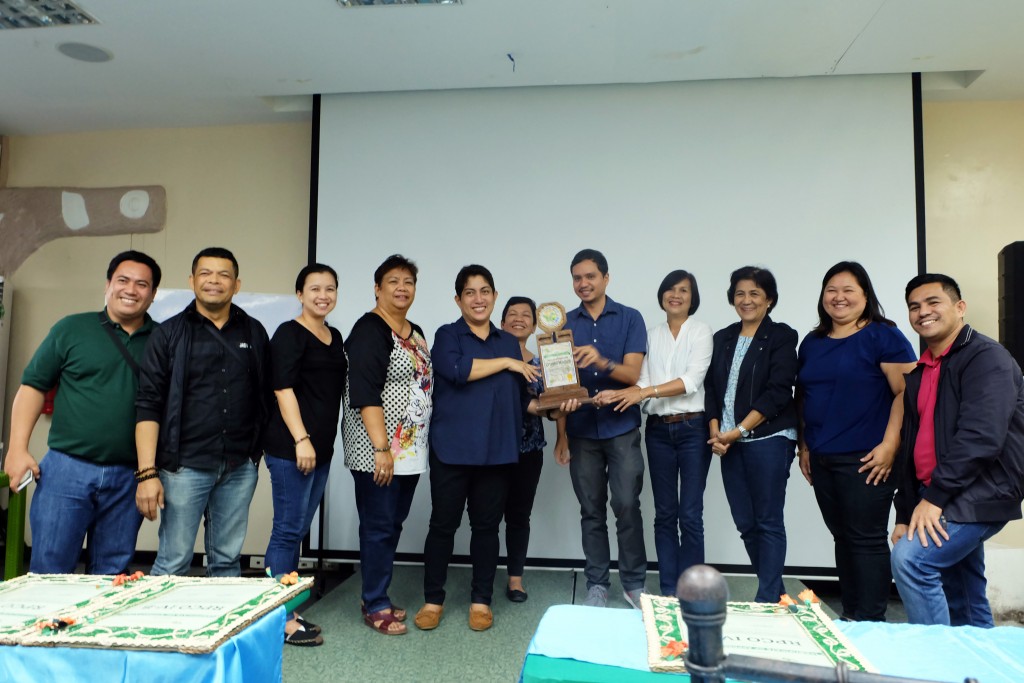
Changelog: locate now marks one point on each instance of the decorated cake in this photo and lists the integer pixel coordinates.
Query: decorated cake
(184, 614)
(791, 632)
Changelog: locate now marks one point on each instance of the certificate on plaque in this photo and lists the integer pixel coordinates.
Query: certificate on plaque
(558, 368)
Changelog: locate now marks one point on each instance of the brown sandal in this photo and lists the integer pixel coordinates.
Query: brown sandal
(382, 621)
(399, 613)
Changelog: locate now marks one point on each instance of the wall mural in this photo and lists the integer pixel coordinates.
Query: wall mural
(32, 216)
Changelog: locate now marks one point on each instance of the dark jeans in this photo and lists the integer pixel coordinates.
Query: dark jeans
(597, 467)
(296, 497)
(522, 490)
(453, 488)
(754, 474)
(857, 515)
(679, 458)
(382, 512)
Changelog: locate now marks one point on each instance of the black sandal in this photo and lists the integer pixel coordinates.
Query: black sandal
(304, 638)
(308, 625)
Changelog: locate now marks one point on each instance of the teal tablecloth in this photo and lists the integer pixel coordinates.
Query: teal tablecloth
(577, 644)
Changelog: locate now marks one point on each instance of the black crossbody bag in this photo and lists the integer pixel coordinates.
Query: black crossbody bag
(109, 329)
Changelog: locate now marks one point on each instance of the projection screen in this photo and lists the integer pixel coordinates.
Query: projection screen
(792, 174)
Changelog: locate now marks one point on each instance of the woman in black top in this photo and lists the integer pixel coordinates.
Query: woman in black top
(308, 375)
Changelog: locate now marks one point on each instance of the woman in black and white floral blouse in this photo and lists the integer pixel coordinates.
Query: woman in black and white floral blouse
(387, 413)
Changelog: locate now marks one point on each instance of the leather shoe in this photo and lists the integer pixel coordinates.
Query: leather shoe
(427, 619)
(516, 595)
(480, 619)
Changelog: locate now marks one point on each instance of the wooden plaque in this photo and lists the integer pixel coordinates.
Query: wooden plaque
(558, 368)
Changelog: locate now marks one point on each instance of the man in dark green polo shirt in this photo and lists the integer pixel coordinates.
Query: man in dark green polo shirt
(86, 481)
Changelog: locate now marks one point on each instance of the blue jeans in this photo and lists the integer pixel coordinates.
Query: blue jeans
(221, 499)
(382, 512)
(296, 497)
(945, 585)
(679, 458)
(77, 499)
(597, 467)
(755, 474)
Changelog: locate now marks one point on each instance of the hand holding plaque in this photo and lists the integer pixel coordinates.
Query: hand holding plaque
(558, 366)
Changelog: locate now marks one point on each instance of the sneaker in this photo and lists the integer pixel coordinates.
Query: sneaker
(597, 596)
(633, 597)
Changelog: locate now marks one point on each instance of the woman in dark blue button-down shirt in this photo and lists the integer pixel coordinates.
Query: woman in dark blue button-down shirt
(479, 397)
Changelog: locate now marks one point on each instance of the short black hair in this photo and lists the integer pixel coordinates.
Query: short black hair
(215, 252)
(762, 277)
(949, 285)
(137, 257)
(673, 279)
(873, 311)
(394, 262)
(469, 271)
(300, 281)
(515, 300)
(590, 255)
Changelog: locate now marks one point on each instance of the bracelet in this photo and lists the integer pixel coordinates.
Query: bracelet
(142, 472)
(385, 449)
(298, 441)
(655, 391)
(147, 477)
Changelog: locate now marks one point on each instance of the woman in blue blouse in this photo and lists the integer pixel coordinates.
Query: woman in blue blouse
(479, 398)
(519, 318)
(850, 392)
(748, 402)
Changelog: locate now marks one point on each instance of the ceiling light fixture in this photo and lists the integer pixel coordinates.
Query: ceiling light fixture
(85, 53)
(42, 14)
(381, 3)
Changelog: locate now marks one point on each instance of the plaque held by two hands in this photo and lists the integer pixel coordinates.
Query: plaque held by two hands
(558, 368)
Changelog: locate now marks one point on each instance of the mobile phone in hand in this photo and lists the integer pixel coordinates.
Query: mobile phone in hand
(25, 481)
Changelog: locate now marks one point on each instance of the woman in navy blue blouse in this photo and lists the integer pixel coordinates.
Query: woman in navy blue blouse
(480, 394)
(850, 392)
(519, 318)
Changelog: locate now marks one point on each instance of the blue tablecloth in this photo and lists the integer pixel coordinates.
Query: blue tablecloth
(254, 654)
(616, 638)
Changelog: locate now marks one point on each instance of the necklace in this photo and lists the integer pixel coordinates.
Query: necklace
(398, 328)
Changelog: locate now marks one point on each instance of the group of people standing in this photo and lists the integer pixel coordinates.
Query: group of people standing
(171, 420)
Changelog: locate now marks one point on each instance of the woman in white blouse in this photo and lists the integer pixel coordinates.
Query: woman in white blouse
(671, 386)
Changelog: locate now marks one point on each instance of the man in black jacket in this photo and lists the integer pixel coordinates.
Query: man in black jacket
(201, 410)
(961, 470)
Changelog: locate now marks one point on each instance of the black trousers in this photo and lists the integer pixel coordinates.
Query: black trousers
(857, 515)
(522, 491)
(453, 489)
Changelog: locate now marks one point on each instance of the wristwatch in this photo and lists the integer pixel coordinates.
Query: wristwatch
(744, 432)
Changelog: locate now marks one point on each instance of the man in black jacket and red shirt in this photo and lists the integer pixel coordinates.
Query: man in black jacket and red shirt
(961, 469)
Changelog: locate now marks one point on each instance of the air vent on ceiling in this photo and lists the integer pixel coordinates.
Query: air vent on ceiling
(381, 3)
(41, 14)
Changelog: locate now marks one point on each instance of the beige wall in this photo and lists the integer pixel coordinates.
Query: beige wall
(974, 172)
(242, 187)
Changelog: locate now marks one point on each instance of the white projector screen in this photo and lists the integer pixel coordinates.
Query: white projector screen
(792, 174)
